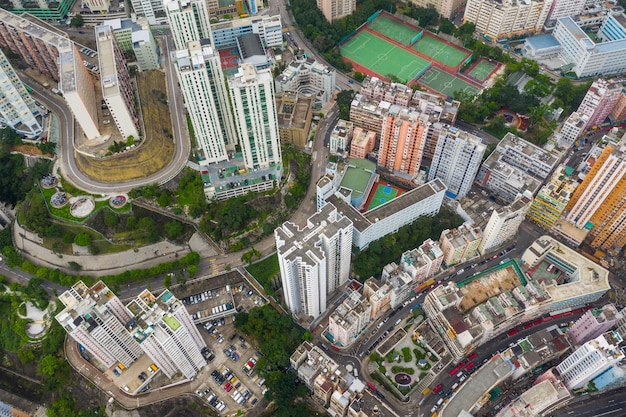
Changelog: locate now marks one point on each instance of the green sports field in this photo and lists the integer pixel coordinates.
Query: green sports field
(383, 194)
(440, 51)
(393, 29)
(383, 57)
(482, 70)
(445, 83)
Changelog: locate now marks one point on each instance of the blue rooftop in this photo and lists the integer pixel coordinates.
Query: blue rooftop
(543, 41)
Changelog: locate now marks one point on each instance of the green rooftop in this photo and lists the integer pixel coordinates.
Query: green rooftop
(171, 322)
(358, 176)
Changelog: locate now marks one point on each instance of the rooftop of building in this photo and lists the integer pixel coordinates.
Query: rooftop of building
(302, 242)
(358, 175)
(542, 42)
(406, 200)
(536, 399)
(522, 146)
(250, 45)
(515, 177)
(293, 109)
(106, 58)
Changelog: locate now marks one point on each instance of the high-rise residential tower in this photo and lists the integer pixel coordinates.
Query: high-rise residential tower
(599, 202)
(402, 139)
(117, 89)
(314, 261)
(96, 318)
(189, 21)
(254, 109)
(204, 90)
(593, 323)
(166, 332)
(153, 10)
(503, 224)
(17, 107)
(456, 161)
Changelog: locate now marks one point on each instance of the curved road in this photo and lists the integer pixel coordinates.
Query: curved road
(69, 168)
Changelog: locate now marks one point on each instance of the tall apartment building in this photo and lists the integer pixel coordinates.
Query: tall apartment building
(189, 21)
(117, 89)
(460, 244)
(572, 128)
(203, 87)
(590, 360)
(585, 57)
(42, 9)
(503, 19)
(599, 101)
(54, 55)
(551, 200)
(314, 261)
(503, 224)
(599, 202)
(95, 318)
(254, 108)
(336, 9)
(17, 108)
(363, 142)
(340, 137)
(308, 77)
(153, 10)
(446, 8)
(378, 295)
(593, 323)
(165, 331)
(402, 139)
(456, 161)
(135, 37)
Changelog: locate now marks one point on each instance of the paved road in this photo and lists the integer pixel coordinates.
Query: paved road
(69, 131)
(609, 404)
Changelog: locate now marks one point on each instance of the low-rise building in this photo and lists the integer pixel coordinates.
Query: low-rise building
(309, 78)
(363, 142)
(548, 394)
(349, 319)
(294, 113)
(423, 262)
(340, 137)
(460, 244)
(378, 295)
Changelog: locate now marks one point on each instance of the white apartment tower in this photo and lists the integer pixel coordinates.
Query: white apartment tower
(117, 89)
(565, 8)
(590, 360)
(166, 332)
(314, 261)
(499, 19)
(17, 108)
(204, 91)
(503, 224)
(95, 318)
(254, 108)
(336, 9)
(189, 21)
(456, 161)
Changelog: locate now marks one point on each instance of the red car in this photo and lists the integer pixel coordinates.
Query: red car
(228, 387)
(471, 357)
(437, 389)
(469, 366)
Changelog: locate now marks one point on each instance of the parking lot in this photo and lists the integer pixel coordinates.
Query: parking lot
(229, 382)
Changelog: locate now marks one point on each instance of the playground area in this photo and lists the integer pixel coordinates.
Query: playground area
(229, 58)
(445, 83)
(381, 194)
(482, 69)
(383, 58)
(440, 51)
(393, 29)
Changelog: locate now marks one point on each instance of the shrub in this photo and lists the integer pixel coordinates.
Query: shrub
(82, 239)
(406, 352)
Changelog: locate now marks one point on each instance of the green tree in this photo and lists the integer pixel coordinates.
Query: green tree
(83, 239)
(359, 76)
(164, 199)
(174, 229)
(446, 26)
(77, 21)
(344, 100)
(111, 219)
